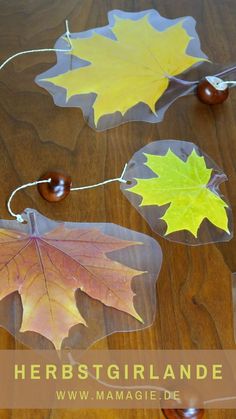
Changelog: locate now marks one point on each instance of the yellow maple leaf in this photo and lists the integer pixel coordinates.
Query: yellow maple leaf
(134, 67)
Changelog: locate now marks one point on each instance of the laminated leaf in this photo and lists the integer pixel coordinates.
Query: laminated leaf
(183, 189)
(183, 185)
(47, 268)
(120, 72)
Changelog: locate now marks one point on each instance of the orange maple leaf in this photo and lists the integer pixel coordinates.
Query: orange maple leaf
(47, 270)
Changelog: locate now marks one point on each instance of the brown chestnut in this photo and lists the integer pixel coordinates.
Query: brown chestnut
(209, 94)
(187, 407)
(190, 413)
(58, 187)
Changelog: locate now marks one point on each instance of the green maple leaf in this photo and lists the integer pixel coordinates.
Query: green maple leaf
(183, 185)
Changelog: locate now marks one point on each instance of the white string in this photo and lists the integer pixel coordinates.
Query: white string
(219, 399)
(233, 82)
(19, 217)
(42, 49)
(150, 387)
(220, 84)
(119, 179)
(73, 362)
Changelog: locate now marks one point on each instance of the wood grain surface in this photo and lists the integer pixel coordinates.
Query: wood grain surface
(194, 287)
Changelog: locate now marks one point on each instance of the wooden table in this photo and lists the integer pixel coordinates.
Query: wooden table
(194, 287)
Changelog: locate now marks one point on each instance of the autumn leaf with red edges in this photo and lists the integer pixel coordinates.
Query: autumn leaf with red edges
(47, 270)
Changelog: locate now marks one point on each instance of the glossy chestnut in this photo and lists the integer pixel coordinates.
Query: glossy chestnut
(209, 94)
(58, 187)
(190, 413)
(187, 408)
